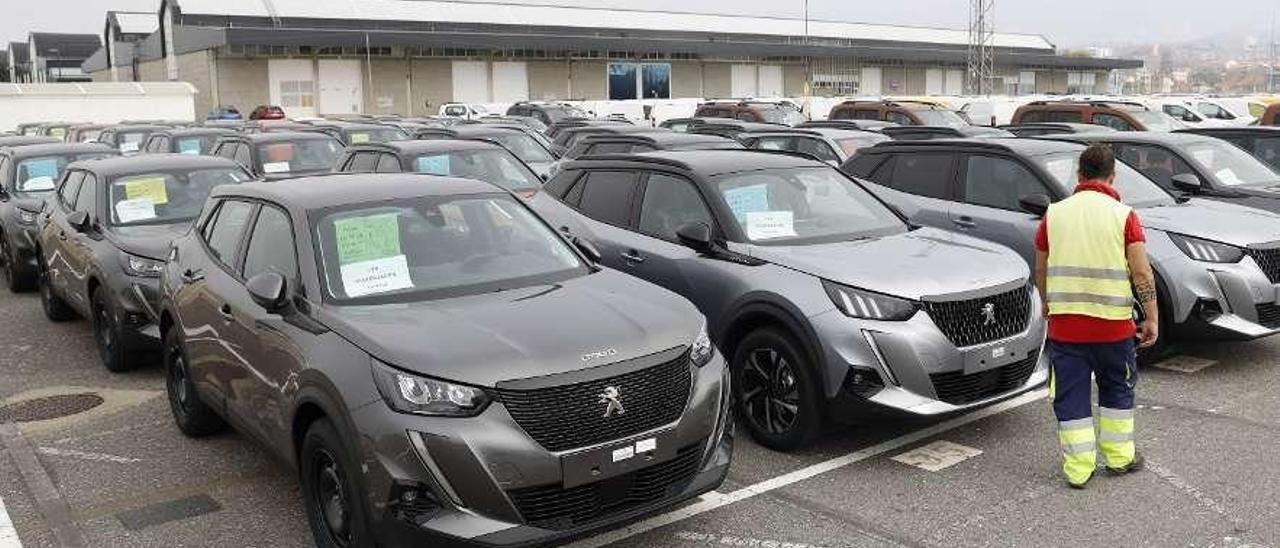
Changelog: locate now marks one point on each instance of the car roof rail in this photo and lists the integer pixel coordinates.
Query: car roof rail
(793, 153)
(634, 158)
(966, 142)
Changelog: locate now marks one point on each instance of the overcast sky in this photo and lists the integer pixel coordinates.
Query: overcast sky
(1066, 23)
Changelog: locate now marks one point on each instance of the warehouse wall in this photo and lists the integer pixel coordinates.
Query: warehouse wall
(432, 84)
(793, 79)
(589, 79)
(152, 71)
(389, 91)
(686, 79)
(548, 80)
(194, 68)
(242, 83)
(717, 80)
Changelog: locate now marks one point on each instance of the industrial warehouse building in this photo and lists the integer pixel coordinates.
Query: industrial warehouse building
(317, 57)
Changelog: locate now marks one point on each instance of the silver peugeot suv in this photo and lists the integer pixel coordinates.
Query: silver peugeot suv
(826, 302)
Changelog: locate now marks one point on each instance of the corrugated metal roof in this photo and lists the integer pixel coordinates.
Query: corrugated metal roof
(136, 22)
(19, 51)
(65, 46)
(564, 16)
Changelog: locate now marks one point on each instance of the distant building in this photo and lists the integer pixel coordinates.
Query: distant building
(57, 57)
(123, 36)
(4, 65)
(19, 62)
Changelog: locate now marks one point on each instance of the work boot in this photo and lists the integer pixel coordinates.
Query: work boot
(1082, 484)
(1134, 465)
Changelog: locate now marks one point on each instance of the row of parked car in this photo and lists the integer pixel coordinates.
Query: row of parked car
(490, 333)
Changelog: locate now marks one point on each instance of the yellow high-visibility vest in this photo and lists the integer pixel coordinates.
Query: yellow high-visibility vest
(1088, 271)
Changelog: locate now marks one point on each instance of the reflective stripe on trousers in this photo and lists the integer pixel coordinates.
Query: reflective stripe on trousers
(1115, 436)
(1079, 449)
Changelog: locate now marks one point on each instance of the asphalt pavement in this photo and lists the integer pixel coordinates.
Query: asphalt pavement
(120, 474)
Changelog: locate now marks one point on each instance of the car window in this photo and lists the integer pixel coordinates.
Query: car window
(864, 165)
(773, 142)
(88, 191)
(609, 148)
(670, 203)
(226, 150)
(926, 175)
(1031, 117)
(866, 114)
(363, 162)
(70, 187)
(801, 206)
(899, 118)
(1135, 189)
(271, 247)
(1267, 149)
(41, 174)
(1064, 116)
(388, 163)
(607, 195)
(999, 182)
(1112, 121)
(816, 148)
(1155, 162)
(165, 197)
(223, 232)
(1229, 165)
(526, 148)
(493, 165)
(193, 145)
(300, 155)
(242, 155)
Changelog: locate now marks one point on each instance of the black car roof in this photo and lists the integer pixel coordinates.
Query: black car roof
(829, 132)
(59, 148)
(1164, 138)
(23, 140)
(123, 165)
(196, 131)
(345, 125)
(1022, 147)
(427, 146)
(281, 136)
(338, 189)
(1075, 126)
(661, 138)
(1233, 130)
(472, 130)
(710, 162)
(136, 128)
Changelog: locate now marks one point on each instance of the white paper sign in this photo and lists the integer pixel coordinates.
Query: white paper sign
(141, 209)
(128, 147)
(376, 276)
(275, 167)
(37, 184)
(767, 225)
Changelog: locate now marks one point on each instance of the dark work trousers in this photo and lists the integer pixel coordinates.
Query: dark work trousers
(1115, 367)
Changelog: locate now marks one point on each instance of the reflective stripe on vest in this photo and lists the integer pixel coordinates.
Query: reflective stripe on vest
(1088, 272)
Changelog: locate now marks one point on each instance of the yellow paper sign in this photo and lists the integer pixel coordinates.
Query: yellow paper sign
(151, 188)
(358, 138)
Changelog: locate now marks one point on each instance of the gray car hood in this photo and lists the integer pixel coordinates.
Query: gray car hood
(923, 262)
(1213, 220)
(150, 241)
(531, 332)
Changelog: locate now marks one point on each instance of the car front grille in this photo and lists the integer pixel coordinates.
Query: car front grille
(571, 416)
(967, 323)
(555, 507)
(1269, 315)
(957, 388)
(1269, 260)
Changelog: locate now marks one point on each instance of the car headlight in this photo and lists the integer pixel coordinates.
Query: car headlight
(1206, 250)
(408, 393)
(27, 217)
(867, 305)
(702, 349)
(142, 266)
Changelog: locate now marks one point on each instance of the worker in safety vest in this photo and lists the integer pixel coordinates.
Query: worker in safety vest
(1091, 263)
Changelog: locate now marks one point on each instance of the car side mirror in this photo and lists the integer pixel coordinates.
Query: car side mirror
(1035, 204)
(696, 236)
(587, 248)
(1187, 182)
(269, 290)
(79, 220)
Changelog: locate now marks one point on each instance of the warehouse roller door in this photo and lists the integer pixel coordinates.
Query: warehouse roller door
(510, 82)
(471, 81)
(341, 86)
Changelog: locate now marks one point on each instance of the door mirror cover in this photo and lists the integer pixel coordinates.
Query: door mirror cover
(78, 220)
(1187, 182)
(269, 290)
(1035, 204)
(696, 236)
(587, 248)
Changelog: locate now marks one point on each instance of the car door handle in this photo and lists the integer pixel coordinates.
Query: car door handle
(964, 222)
(225, 312)
(190, 276)
(632, 256)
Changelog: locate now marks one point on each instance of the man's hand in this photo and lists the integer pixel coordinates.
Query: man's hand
(1148, 332)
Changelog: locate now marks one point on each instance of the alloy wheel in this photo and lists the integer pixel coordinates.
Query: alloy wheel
(770, 393)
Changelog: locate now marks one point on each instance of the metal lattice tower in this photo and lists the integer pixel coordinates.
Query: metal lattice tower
(980, 76)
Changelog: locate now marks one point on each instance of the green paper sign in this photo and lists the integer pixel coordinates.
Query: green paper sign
(367, 238)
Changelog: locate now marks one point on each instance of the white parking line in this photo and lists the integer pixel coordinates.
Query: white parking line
(86, 455)
(8, 535)
(716, 499)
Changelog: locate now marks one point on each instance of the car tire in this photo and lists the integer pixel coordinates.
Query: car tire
(108, 335)
(776, 390)
(194, 418)
(17, 277)
(1159, 351)
(55, 309)
(330, 493)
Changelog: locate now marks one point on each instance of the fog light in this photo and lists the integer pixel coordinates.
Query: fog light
(1209, 309)
(414, 503)
(863, 381)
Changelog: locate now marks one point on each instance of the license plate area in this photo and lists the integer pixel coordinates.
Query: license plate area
(992, 356)
(615, 459)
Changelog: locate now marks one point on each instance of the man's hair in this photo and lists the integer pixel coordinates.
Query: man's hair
(1097, 162)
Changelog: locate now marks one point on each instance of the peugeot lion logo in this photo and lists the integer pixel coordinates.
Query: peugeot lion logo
(613, 405)
(988, 314)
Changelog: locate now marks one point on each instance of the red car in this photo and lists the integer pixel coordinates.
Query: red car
(267, 112)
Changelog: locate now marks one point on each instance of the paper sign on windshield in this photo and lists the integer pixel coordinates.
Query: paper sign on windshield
(358, 138)
(128, 147)
(40, 174)
(189, 146)
(747, 199)
(434, 165)
(58, 132)
(275, 167)
(376, 276)
(369, 254)
(767, 225)
(151, 188)
(142, 209)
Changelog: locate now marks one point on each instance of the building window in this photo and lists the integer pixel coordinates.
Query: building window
(639, 81)
(297, 94)
(830, 84)
(1020, 83)
(1081, 82)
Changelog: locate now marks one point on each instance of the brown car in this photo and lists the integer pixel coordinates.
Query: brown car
(1270, 117)
(751, 111)
(1118, 115)
(905, 113)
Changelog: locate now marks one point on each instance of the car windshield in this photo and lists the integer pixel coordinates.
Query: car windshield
(798, 206)
(1229, 165)
(564, 112)
(524, 147)
(361, 136)
(1156, 121)
(491, 166)
(41, 174)
(937, 117)
(851, 145)
(89, 135)
(298, 156)
(1267, 149)
(165, 197)
(131, 142)
(781, 115)
(194, 145)
(1135, 189)
(436, 247)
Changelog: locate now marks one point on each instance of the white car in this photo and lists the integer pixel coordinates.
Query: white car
(1185, 111)
(463, 110)
(1235, 111)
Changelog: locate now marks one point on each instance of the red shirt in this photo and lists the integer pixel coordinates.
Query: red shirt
(1078, 328)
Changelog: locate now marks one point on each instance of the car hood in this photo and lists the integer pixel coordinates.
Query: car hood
(294, 174)
(922, 263)
(1224, 222)
(150, 241)
(525, 333)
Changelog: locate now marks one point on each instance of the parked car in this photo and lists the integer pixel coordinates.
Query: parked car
(528, 149)
(568, 137)
(1271, 116)
(832, 146)
(496, 121)
(105, 238)
(184, 141)
(55, 129)
(286, 127)
(856, 125)
(25, 140)
(128, 138)
(733, 129)
(1215, 263)
(1232, 110)
(510, 384)
(764, 112)
(618, 143)
(224, 112)
(463, 111)
(904, 113)
(1118, 115)
(920, 133)
(28, 128)
(267, 112)
(554, 130)
(1054, 128)
(28, 174)
(469, 159)
(1262, 142)
(825, 301)
(1184, 111)
(549, 113)
(284, 155)
(358, 133)
(84, 133)
(684, 125)
(530, 122)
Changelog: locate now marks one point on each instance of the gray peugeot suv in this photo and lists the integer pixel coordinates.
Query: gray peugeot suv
(822, 297)
(440, 365)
